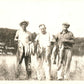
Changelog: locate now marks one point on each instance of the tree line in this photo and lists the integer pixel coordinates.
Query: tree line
(7, 36)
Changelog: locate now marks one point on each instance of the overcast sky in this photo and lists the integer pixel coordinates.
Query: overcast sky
(52, 13)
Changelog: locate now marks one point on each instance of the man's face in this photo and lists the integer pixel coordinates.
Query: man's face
(64, 27)
(24, 26)
(43, 30)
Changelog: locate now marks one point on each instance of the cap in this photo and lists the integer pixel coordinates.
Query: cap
(66, 24)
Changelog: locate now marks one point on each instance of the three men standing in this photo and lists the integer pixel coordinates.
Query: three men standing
(45, 44)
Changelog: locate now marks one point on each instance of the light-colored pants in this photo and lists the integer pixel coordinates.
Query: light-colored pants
(44, 61)
(65, 56)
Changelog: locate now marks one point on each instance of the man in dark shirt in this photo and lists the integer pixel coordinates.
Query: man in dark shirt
(65, 40)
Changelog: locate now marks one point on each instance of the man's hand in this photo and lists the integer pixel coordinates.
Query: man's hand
(67, 41)
(52, 43)
(29, 42)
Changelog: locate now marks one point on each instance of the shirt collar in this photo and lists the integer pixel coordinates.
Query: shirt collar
(64, 32)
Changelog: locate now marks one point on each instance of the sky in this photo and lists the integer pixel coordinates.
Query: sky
(52, 13)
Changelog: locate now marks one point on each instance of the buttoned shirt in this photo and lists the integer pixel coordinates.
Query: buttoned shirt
(23, 36)
(65, 37)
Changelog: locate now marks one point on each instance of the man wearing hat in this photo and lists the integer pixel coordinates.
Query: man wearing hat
(23, 37)
(65, 40)
(45, 42)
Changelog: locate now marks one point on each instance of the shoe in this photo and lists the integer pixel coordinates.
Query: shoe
(60, 78)
(66, 78)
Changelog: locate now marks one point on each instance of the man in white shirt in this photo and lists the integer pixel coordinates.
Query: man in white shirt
(23, 37)
(45, 43)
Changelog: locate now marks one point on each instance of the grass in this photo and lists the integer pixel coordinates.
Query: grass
(10, 72)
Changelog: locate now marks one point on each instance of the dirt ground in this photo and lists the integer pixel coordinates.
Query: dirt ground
(8, 68)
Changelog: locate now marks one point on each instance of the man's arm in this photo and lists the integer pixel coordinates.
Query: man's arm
(70, 39)
(56, 38)
(30, 37)
(52, 40)
(72, 36)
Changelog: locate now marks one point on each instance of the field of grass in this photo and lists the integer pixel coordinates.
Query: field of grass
(8, 69)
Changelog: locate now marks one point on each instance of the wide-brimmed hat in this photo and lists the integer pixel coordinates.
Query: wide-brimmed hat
(24, 22)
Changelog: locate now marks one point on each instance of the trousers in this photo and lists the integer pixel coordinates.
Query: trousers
(65, 56)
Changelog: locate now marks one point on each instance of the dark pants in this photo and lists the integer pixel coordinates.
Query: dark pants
(27, 60)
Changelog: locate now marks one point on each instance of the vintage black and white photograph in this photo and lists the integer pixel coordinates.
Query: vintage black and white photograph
(42, 40)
